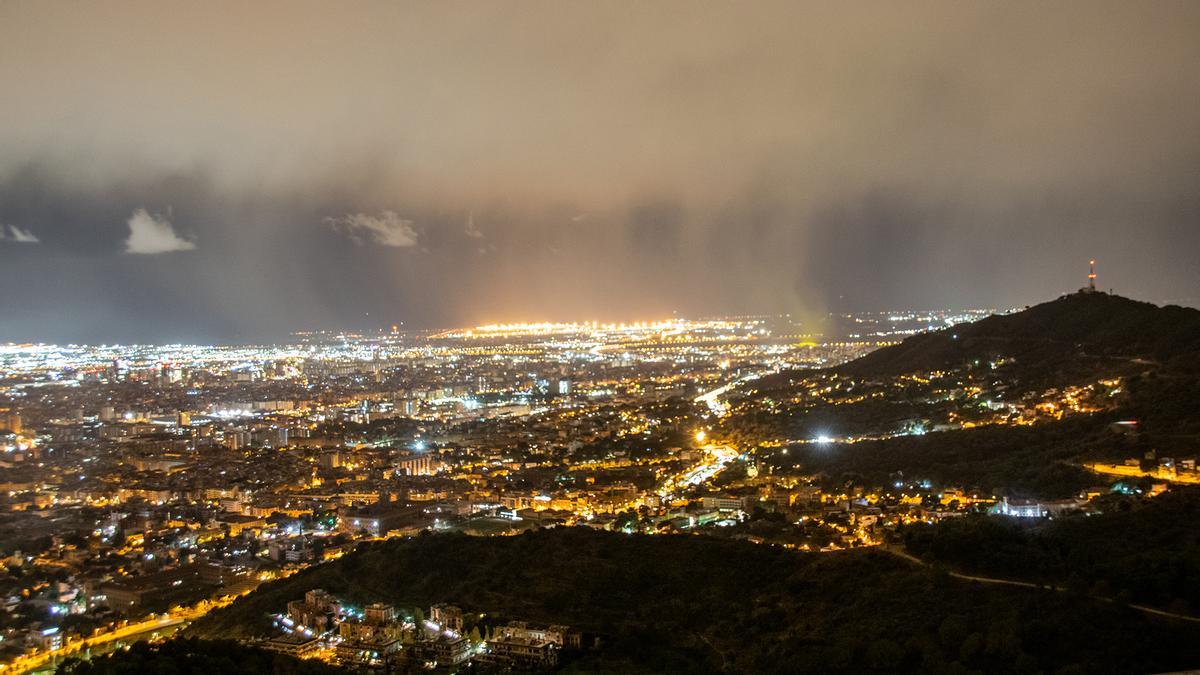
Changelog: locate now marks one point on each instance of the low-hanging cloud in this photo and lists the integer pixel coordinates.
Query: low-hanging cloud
(385, 229)
(17, 235)
(150, 234)
(790, 157)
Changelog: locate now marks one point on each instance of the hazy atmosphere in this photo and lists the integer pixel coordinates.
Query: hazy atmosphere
(176, 172)
(599, 336)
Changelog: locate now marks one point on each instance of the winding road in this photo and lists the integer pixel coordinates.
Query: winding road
(900, 553)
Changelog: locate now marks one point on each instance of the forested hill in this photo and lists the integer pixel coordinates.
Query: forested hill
(1076, 326)
(697, 604)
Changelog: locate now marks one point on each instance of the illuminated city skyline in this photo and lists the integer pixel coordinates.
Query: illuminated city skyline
(788, 336)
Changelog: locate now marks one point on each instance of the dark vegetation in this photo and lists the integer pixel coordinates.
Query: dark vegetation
(887, 413)
(775, 527)
(185, 656)
(1145, 552)
(696, 604)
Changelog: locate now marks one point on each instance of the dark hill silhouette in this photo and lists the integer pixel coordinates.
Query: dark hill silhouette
(1079, 326)
(681, 603)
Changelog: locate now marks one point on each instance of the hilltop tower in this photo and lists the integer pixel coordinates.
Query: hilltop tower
(1091, 285)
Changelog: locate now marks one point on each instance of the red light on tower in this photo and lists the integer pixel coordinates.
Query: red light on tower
(1092, 275)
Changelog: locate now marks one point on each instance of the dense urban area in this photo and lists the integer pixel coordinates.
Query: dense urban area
(148, 491)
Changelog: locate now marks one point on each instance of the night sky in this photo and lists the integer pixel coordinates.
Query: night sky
(227, 172)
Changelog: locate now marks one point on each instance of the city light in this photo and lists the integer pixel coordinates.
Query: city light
(394, 337)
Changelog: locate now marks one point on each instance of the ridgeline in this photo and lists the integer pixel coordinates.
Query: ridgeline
(697, 604)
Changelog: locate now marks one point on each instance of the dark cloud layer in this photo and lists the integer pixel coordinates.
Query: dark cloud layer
(433, 163)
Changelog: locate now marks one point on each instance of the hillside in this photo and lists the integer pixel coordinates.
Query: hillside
(696, 604)
(1009, 404)
(1039, 461)
(1148, 550)
(1076, 327)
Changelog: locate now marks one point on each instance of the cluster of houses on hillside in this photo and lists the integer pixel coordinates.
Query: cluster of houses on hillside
(380, 636)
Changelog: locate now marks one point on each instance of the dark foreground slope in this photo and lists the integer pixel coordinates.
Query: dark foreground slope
(1145, 550)
(691, 604)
